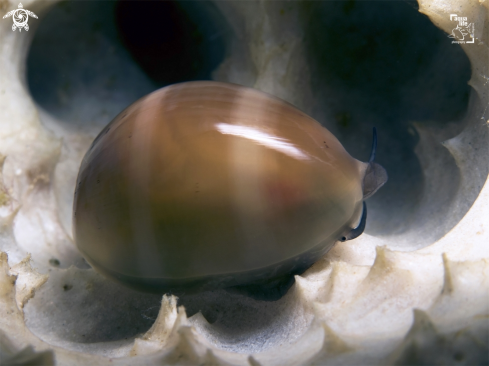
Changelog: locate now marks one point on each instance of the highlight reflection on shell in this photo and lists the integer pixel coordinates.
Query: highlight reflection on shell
(203, 185)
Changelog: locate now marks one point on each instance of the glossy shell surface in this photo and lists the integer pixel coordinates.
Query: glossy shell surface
(204, 184)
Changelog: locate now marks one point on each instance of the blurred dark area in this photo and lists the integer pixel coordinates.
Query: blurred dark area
(90, 59)
(165, 41)
(383, 64)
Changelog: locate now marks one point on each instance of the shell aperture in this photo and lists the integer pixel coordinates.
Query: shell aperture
(205, 185)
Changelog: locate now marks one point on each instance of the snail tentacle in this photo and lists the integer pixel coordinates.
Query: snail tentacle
(375, 175)
(355, 233)
(374, 146)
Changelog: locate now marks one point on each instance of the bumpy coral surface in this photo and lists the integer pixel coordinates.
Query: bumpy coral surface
(414, 289)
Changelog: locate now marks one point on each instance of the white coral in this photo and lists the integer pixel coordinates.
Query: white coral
(365, 302)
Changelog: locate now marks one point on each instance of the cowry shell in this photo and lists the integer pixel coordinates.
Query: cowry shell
(205, 185)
